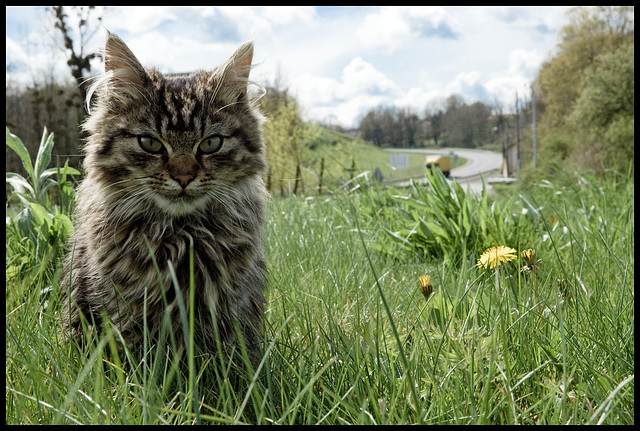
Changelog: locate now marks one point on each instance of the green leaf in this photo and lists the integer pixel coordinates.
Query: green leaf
(16, 145)
(43, 189)
(65, 223)
(44, 155)
(394, 236)
(63, 171)
(466, 219)
(20, 184)
(425, 231)
(40, 214)
(421, 205)
(436, 229)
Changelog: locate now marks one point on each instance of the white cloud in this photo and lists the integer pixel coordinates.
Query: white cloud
(315, 89)
(394, 26)
(15, 54)
(175, 54)
(284, 15)
(139, 19)
(418, 98)
(524, 62)
(360, 88)
(468, 85)
(361, 77)
(261, 21)
(503, 90)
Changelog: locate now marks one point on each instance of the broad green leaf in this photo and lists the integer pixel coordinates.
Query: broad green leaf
(16, 145)
(65, 223)
(43, 189)
(437, 230)
(425, 231)
(40, 214)
(19, 184)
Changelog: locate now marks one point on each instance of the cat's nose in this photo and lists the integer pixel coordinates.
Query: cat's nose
(182, 169)
(183, 178)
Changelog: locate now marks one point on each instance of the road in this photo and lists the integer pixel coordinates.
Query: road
(479, 162)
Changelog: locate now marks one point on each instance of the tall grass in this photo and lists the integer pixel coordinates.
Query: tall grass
(349, 338)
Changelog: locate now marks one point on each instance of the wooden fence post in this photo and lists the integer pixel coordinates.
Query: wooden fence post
(321, 174)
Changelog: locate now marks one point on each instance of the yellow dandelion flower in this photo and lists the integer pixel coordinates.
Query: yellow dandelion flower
(495, 256)
(425, 286)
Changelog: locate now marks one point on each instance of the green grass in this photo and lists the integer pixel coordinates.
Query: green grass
(486, 348)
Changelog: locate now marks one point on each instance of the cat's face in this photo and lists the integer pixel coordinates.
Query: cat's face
(178, 143)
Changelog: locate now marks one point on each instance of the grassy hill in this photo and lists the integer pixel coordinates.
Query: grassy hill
(345, 156)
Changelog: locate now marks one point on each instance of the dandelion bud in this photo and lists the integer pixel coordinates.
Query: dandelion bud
(529, 256)
(425, 286)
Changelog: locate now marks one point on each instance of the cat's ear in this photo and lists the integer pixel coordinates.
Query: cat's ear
(120, 63)
(240, 61)
(236, 69)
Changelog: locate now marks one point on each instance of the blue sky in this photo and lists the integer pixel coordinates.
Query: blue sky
(339, 62)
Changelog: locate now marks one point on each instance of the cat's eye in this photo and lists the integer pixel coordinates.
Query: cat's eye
(150, 145)
(211, 144)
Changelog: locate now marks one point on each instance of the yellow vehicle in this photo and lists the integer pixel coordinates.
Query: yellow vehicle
(441, 162)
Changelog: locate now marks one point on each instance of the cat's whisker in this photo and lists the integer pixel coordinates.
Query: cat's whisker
(226, 106)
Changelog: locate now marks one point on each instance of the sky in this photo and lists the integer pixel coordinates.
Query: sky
(339, 62)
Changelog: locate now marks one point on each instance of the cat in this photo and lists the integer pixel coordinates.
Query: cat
(173, 163)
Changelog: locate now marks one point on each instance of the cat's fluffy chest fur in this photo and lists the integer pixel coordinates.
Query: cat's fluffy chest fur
(173, 164)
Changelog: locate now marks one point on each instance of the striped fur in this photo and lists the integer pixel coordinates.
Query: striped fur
(134, 204)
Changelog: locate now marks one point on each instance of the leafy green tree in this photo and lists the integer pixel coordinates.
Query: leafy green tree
(433, 118)
(283, 135)
(604, 112)
(588, 33)
(465, 125)
(391, 127)
(568, 86)
(370, 129)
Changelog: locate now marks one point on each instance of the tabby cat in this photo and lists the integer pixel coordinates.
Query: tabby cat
(173, 163)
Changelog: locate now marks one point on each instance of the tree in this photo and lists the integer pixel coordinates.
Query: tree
(283, 135)
(465, 125)
(604, 112)
(44, 103)
(370, 129)
(409, 125)
(79, 62)
(589, 32)
(433, 119)
(560, 81)
(391, 127)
